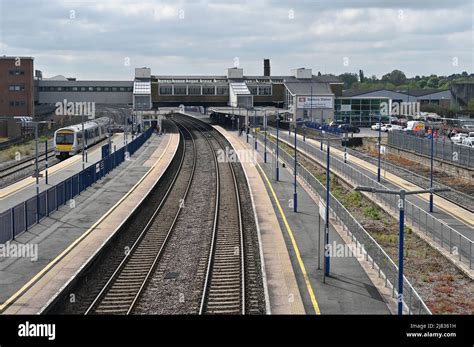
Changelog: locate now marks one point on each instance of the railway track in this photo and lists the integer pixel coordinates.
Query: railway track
(453, 195)
(224, 289)
(23, 164)
(122, 291)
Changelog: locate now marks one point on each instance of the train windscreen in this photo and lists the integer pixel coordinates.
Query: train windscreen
(64, 138)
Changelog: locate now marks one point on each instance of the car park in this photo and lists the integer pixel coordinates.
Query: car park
(376, 126)
(458, 138)
(395, 127)
(349, 128)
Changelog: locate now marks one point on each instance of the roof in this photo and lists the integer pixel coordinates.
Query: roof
(413, 92)
(307, 88)
(322, 79)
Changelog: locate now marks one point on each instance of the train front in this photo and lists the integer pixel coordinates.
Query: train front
(64, 143)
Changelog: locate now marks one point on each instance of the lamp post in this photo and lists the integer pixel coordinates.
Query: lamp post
(247, 124)
(401, 206)
(278, 146)
(265, 141)
(255, 128)
(37, 173)
(380, 147)
(431, 170)
(295, 194)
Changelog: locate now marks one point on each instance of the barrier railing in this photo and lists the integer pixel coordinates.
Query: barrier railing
(18, 219)
(444, 150)
(373, 252)
(447, 237)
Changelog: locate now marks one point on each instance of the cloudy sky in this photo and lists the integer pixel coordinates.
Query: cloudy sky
(106, 39)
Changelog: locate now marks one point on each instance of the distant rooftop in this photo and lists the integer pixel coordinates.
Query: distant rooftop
(412, 92)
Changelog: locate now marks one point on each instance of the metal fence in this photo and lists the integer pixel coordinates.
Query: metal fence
(436, 229)
(373, 252)
(444, 150)
(18, 219)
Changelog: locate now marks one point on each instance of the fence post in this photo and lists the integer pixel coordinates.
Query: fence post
(26, 216)
(13, 222)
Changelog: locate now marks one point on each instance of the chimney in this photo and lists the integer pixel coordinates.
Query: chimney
(266, 67)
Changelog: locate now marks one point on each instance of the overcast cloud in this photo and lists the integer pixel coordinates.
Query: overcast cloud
(97, 39)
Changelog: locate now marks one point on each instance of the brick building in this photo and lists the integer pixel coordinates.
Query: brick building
(16, 86)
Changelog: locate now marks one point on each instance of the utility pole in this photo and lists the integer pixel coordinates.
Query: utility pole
(401, 207)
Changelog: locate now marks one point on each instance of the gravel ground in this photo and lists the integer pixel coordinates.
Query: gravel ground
(416, 173)
(88, 286)
(443, 287)
(176, 286)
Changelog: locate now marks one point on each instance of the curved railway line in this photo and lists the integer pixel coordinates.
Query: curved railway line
(121, 292)
(116, 282)
(224, 285)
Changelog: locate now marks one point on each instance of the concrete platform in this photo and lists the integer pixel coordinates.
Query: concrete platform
(455, 216)
(349, 289)
(282, 293)
(70, 238)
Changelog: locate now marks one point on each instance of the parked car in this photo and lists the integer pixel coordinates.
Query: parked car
(458, 138)
(468, 141)
(349, 128)
(376, 126)
(395, 127)
(386, 127)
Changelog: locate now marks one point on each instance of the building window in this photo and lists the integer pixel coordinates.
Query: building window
(208, 90)
(253, 89)
(98, 89)
(106, 89)
(16, 72)
(222, 90)
(114, 89)
(207, 80)
(166, 90)
(91, 89)
(267, 90)
(122, 89)
(194, 90)
(16, 88)
(179, 90)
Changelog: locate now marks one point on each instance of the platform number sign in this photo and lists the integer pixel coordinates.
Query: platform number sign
(455, 156)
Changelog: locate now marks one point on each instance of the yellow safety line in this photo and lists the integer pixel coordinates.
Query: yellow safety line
(293, 242)
(40, 274)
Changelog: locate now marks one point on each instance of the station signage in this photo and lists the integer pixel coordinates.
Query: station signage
(314, 102)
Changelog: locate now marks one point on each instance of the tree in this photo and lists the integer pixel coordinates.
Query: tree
(361, 76)
(397, 77)
(432, 82)
(319, 73)
(348, 79)
(470, 105)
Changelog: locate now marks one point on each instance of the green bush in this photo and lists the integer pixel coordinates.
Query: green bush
(372, 213)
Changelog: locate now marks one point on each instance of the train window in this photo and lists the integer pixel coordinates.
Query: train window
(96, 132)
(64, 138)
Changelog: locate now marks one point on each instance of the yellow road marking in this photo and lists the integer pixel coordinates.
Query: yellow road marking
(53, 262)
(293, 242)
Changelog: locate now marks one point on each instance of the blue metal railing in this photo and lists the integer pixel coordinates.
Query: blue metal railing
(18, 219)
